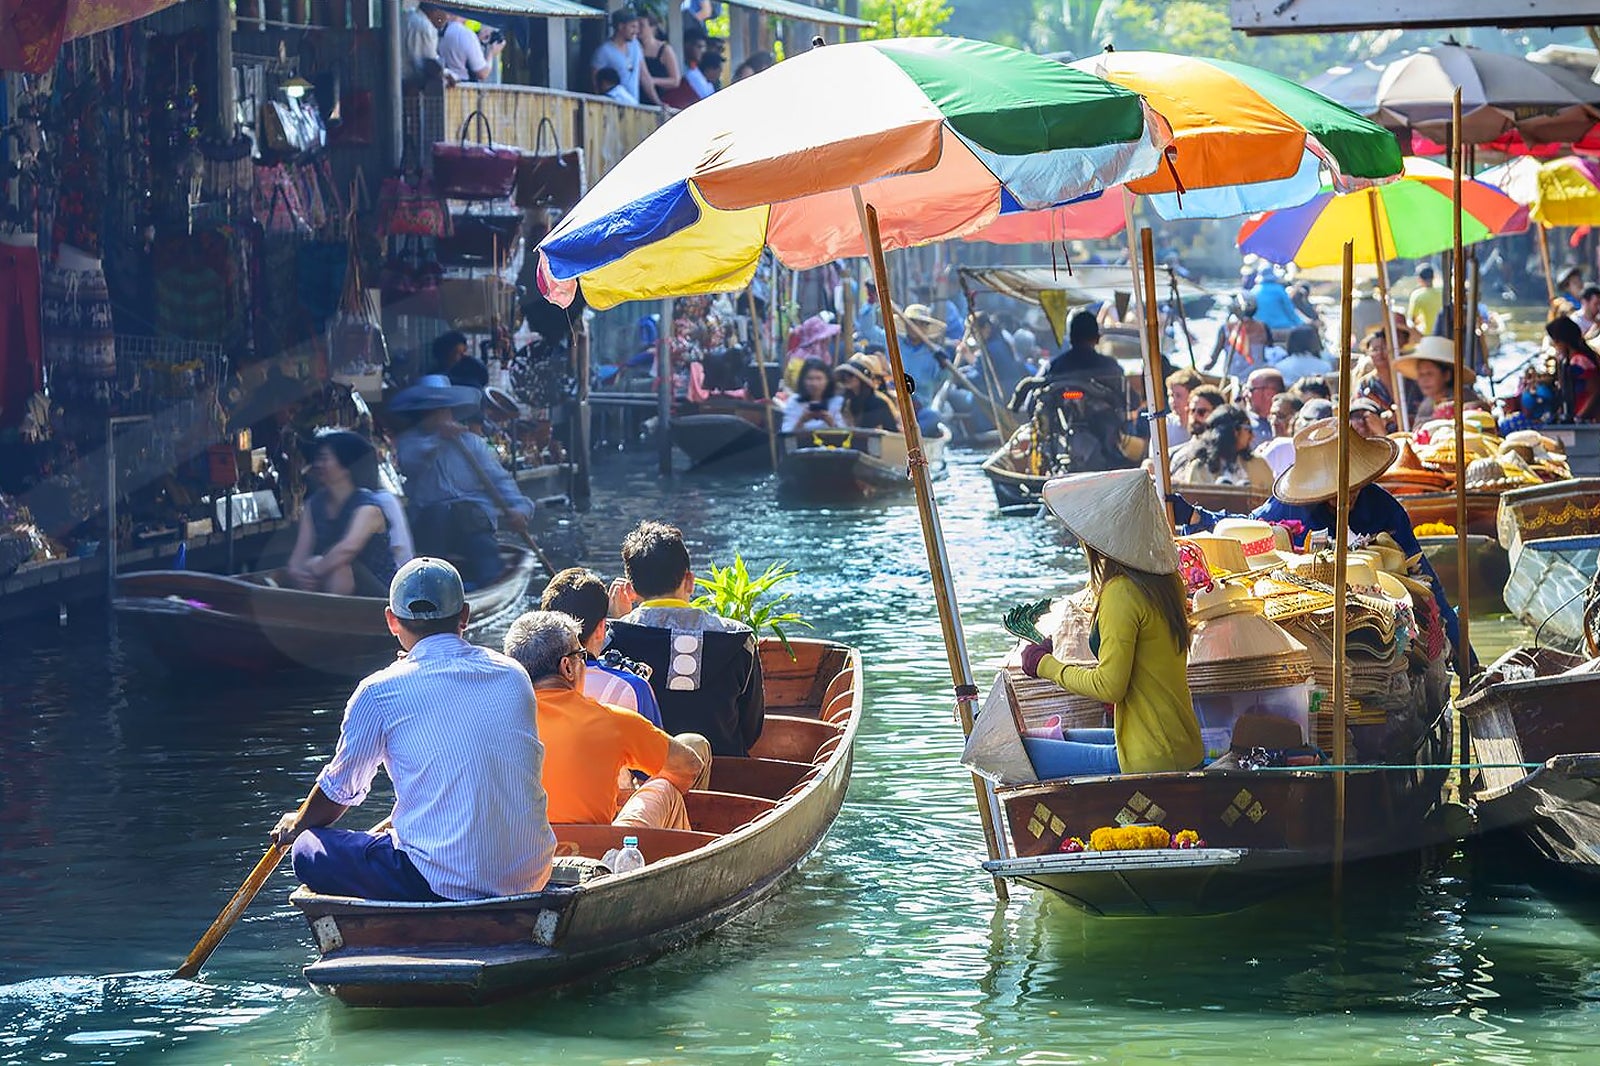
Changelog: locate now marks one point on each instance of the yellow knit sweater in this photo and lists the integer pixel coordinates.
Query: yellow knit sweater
(1144, 675)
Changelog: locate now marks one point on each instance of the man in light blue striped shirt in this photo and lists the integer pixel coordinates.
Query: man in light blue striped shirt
(455, 727)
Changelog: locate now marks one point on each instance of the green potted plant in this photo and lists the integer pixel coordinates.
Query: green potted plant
(731, 592)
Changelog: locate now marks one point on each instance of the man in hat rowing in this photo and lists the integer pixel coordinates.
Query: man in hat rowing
(455, 484)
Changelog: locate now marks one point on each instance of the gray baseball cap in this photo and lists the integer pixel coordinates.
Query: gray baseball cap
(425, 590)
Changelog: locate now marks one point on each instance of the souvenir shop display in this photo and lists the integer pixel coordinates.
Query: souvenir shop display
(475, 170)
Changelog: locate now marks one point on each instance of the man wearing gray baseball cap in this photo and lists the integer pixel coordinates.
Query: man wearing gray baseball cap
(454, 726)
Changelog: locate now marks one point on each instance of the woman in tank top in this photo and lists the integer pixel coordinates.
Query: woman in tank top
(343, 544)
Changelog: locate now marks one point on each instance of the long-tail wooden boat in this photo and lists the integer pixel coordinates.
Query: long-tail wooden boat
(1017, 492)
(1535, 731)
(1264, 830)
(762, 817)
(845, 465)
(1482, 508)
(1490, 567)
(1552, 533)
(252, 623)
(728, 432)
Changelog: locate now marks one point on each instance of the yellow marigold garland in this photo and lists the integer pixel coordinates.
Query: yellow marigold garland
(1129, 838)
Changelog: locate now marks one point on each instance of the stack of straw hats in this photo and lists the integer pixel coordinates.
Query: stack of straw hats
(1236, 649)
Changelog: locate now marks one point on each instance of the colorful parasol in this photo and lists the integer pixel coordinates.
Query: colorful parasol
(1091, 219)
(1415, 218)
(1501, 93)
(1245, 140)
(931, 130)
(1567, 193)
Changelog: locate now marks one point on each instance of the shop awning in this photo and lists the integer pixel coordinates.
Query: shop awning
(31, 31)
(547, 9)
(792, 9)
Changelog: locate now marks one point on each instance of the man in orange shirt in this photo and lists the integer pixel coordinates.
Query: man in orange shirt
(587, 743)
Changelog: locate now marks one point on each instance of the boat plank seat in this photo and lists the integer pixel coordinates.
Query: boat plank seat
(766, 778)
(801, 686)
(793, 739)
(723, 812)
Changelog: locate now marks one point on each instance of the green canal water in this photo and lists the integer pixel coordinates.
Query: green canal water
(132, 803)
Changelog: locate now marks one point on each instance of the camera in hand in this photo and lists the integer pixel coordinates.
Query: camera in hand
(818, 408)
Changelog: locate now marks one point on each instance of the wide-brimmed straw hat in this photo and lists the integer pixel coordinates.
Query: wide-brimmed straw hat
(860, 367)
(1262, 543)
(1440, 350)
(434, 392)
(1223, 555)
(1119, 514)
(928, 324)
(1314, 477)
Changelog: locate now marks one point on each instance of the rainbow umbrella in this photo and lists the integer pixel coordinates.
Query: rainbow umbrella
(1244, 140)
(1415, 219)
(1567, 192)
(930, 130)
(1091, 219)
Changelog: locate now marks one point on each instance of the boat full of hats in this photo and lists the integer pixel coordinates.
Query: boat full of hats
(1258, 816)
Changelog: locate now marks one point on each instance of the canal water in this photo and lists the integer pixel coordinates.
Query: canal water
(131, 804)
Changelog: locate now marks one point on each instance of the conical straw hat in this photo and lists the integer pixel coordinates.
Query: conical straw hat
(1314, 477)
(1119, 515)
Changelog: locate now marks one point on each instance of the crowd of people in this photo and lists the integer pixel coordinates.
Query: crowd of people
(607, 705)
(637, 65)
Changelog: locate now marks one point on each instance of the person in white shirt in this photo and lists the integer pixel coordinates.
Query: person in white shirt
(421, 45)
(814, 404)
(455, 726)
(623, 53)
(1587, 316)
(608, 83)
(461, 53)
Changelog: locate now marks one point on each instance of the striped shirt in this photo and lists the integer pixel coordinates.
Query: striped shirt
(619, 688)
(455, 727)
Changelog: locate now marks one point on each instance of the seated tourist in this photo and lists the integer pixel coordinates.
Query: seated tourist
(588, 743)
(619, 682)
(864, 406)
(705, 670)
(1223, 455)
(454, 725)
(343, 545)
(814, 404)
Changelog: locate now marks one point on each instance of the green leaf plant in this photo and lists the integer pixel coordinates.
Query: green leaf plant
(731, 592)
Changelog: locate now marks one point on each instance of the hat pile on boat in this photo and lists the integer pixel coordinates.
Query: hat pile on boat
(1489, 463)
(1235, 648)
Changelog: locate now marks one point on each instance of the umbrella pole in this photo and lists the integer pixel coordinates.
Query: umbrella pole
(1544, 260)
(1155, 402)
(944, 586)
(1341, 549)
(847, 328)
(664, 388)
(766, 387)
(1397, 385)
(1458, 297)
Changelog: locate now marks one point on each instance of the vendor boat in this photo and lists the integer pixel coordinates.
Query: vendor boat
(1487, 561)
(728, 432)
(1440, 507)
(846, 465)
(762, 817)
(1537, 737)
(1552, 533)
(254, 623)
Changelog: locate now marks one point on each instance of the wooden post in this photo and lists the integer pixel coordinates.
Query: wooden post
(223, 117)
(944, 586)
(556, 52)
(766, 388)
(847, 308)
(1544, 258)
(1458, 297)
(664, 388)
(1183, 320)
(1341, 549)
(582, 444)
(1156, 400)
(1397, 384)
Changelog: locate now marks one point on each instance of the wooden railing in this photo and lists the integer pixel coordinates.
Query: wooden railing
(607, 130)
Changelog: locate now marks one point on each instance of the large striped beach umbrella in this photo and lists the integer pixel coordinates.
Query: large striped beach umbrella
(1567, 192)
(931, 131)
(1244, 140)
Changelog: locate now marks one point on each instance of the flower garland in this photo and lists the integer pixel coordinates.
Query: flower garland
(1133, 838)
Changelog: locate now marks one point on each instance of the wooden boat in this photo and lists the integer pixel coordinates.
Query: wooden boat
(1552, 533)
(1528, 709)
(763, 816)
(1490, 567)
(732, 433)
(251, 623)
(1017, 492)
(844, 465)
(1482, 508)
(1264, 830)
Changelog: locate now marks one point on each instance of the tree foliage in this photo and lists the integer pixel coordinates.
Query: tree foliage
(905, 18)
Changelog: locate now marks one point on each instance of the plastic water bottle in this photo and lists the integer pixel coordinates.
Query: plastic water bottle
(630, 858)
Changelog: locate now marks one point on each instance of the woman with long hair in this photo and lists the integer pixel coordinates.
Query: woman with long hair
(1223, 454)
(1139, 634)
(1432, 366)
(343, 542)
(1580, 364)
(660, 61)
(815, 401)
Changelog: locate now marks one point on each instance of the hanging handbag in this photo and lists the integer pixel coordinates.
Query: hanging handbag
(355, 336)
(486, 241)
(479, 170)
(551, 179)
(275, 203)
(411, 209)
(410, 284)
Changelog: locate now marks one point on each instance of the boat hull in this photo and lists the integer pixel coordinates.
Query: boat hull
(765, 815)
(1552, 534)
(725, 440)
(868, 467)
(1482, 509)
(197, 621)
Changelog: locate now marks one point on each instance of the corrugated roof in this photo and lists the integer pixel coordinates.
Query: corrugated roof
(792, 9)
(559, 9)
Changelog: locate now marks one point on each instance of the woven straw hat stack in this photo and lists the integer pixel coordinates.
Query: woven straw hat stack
(1236, 649)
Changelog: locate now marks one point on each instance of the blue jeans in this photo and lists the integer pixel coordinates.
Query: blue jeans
(350, 862)
(1084, 753)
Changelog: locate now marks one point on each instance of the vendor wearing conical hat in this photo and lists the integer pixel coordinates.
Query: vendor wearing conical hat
(1139, 634)
(1307, 490)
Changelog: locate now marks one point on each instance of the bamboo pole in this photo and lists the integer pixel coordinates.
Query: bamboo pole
(1341, 549)
(1183, 321)
(1458, 297)
(1544, 259)
(944, 586)
(664, 389)
(847, 328)
(1155, 401)
(766, 387)
(1397, 384)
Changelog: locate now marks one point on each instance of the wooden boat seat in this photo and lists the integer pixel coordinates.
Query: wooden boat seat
(765, 778)
(802, 686)
(723, 812)
(593, 841)
(792, 739)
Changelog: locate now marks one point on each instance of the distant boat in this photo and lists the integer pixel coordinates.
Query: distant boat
(730, 433)
(1552, 533)
(844, 465)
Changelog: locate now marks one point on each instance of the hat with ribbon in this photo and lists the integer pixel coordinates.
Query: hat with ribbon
(1260, 541)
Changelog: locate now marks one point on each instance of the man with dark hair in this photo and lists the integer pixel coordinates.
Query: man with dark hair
(1587, 316)
(710, 74)
(705, 669)
(611, 677)
(608, 83)
(455, 727)
(588, 744)
(451, 358)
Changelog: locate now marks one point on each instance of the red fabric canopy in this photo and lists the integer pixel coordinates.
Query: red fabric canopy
(31, 31)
